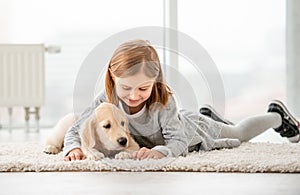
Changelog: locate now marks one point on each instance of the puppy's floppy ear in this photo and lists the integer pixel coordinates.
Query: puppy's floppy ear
(89, 132)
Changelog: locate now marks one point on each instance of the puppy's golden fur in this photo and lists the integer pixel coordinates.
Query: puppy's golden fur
(104, 134)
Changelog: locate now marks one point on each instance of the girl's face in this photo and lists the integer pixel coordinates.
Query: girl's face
(134, 90)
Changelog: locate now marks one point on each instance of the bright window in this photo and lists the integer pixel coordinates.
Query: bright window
(246, 40)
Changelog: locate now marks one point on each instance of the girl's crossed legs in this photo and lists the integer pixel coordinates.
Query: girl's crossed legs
(251, 126)
(278, 118)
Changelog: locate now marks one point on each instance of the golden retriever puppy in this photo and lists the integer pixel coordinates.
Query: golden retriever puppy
(104, 134)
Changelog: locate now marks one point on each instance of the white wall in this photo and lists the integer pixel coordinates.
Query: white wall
(77, 26)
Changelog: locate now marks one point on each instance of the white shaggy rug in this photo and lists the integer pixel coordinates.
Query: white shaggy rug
(249, 157)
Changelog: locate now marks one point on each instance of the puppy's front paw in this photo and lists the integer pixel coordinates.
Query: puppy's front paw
(123, 155)
(50, 149)
(95, 156)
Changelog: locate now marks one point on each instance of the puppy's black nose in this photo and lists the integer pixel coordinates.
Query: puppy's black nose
(122, 141)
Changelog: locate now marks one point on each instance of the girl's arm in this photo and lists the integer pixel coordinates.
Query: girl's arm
(176, 142)
(72, 137)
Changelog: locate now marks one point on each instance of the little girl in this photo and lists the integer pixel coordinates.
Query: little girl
(135, 83)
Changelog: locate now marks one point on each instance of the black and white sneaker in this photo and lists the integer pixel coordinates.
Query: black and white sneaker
(290, 126)
(209, 111)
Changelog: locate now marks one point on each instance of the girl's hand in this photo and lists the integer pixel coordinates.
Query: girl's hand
(75, 154)
(144, 153)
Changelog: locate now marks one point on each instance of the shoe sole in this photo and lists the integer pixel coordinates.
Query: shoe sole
(209, 107)
(285, 110)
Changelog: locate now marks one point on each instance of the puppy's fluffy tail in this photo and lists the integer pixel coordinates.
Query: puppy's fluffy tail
(55, 140)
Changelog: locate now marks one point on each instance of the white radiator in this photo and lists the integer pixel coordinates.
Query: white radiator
(22, 77)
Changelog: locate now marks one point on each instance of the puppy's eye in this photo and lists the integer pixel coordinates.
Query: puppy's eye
(122, 123)
(106, 126)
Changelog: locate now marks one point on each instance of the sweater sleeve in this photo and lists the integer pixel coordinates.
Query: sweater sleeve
(72, 137)
(173, 131)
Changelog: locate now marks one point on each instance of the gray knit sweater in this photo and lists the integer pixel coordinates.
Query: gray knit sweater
(168, 130)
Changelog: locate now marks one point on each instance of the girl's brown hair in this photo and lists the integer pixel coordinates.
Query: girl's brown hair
(130, 58)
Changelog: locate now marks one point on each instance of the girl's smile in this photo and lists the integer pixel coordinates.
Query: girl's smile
(133, 102)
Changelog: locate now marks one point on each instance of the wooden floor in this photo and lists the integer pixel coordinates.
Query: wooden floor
(148, 183)
(139, 182)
